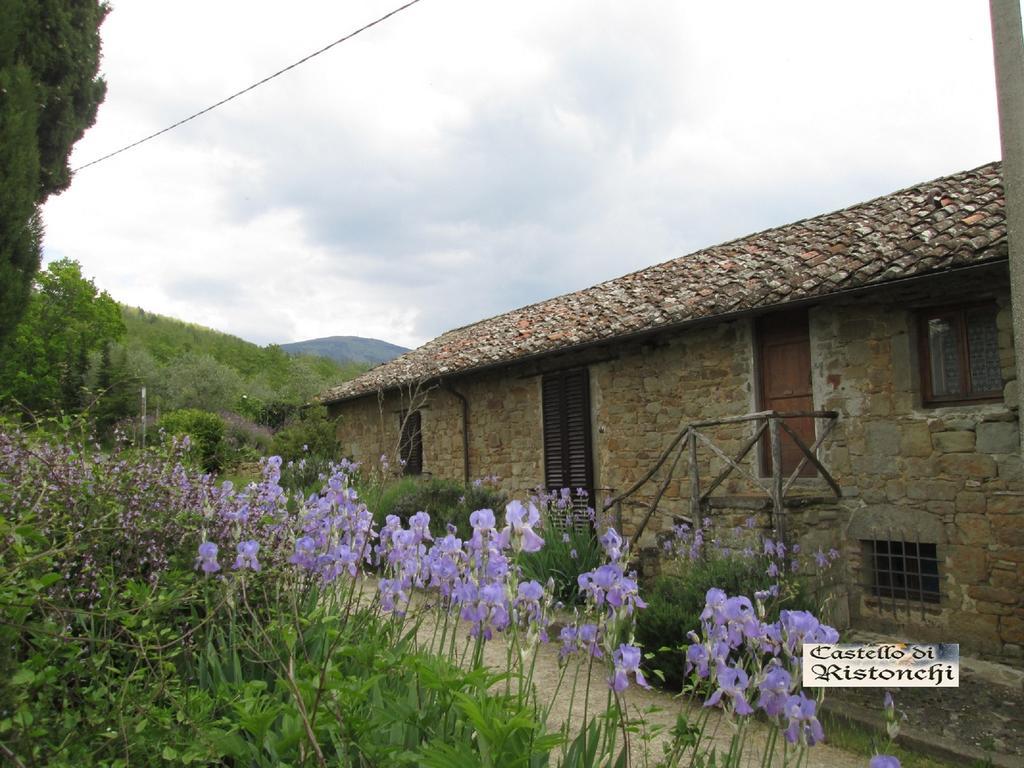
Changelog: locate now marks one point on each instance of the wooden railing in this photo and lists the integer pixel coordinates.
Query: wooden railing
(775, 487)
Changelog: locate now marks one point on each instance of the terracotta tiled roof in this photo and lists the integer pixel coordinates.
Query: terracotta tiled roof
(939, 225)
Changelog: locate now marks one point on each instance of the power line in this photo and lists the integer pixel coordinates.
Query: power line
(266, 79)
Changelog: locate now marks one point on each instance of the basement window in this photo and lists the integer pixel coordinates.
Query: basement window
(903, 570)
(960, 355)
(410, 447)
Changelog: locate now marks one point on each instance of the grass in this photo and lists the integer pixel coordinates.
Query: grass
(859, 740)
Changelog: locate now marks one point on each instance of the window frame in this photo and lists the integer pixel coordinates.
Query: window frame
(957, 313)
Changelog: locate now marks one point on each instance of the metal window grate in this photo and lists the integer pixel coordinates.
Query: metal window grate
(903, 570)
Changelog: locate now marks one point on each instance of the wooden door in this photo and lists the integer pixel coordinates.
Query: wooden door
(784, 357)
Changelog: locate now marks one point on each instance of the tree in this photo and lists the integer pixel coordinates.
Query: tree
(46, 360)
(199, 381)
(49, 94)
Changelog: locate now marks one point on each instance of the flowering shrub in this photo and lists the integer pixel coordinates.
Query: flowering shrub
(110, 517)
(330, 543)
(741, 561)
(261, 626)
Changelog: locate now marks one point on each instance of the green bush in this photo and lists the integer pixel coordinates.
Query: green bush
(310, 434)
(568, 551)
(675, 602)
(205, 430)
(446, 501)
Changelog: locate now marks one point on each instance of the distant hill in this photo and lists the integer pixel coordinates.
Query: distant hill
(347, 349)
(176, 350)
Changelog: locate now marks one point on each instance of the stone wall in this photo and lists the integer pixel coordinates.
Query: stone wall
(504, 430)
(950, 476)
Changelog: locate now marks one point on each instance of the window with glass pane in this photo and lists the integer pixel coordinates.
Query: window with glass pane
(960, 350)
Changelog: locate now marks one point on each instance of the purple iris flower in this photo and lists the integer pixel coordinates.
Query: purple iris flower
(822, 634)
(774, 691)
(207, 559)
(482, 520)
(247, 554)
(714, 603)
(884, 761)
(570, 642)
(821, 559)
(305, 548)
(393, 598)
(612, 544)
(589, 637)
(797, 625)
(803, 724)
(697, 658)
(419, 524)
(626, 659)
(732, 681)
(521, 521)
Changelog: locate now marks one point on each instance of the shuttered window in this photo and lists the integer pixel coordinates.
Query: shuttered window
(410, 448)
(566, 405)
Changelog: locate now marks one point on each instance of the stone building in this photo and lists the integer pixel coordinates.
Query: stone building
(886, 326)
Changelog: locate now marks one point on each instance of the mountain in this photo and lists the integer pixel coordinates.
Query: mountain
(347, 349)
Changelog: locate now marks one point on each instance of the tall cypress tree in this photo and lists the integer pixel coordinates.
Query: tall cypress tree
(49, 94)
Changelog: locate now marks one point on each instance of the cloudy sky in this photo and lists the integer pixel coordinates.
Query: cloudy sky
(470, 156)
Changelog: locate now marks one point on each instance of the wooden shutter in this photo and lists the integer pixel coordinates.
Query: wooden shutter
(410, 449)
(566, 411)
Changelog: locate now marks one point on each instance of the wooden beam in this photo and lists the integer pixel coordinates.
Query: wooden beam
(695, 507)
(661, 460)
(654, 504)
(731, 462)
(814, 460)
(778, 511)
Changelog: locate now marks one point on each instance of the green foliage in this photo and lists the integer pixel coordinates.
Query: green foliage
(188, 366)
(204, 429)
(675, 602)
(45, 362)
(568, 551)
(186, 670)
(20, 228)
(49, 94)
(446, 501)
(58, 41)
(310, 434)
(90, 644)
(199, 381)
